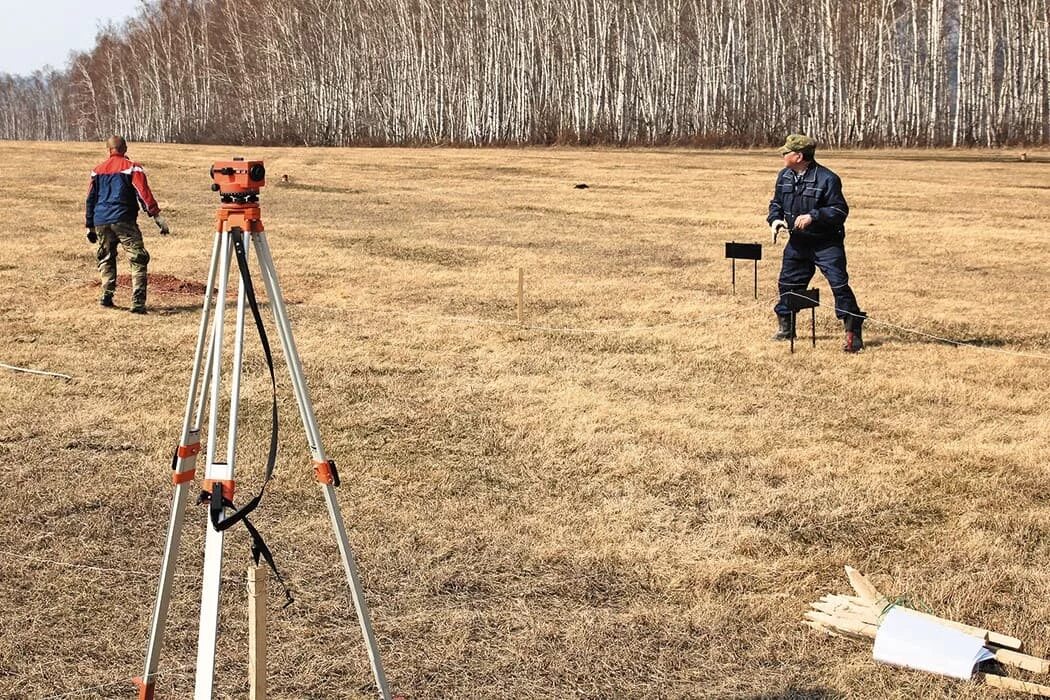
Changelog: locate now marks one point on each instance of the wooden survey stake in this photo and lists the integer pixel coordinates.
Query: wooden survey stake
(257, 633)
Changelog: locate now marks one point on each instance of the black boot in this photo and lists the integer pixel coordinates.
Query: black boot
(854, 339)
(138, 301)
(785, 328)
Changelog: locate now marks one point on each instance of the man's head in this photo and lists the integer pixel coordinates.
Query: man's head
(117, 145)
(798, 150)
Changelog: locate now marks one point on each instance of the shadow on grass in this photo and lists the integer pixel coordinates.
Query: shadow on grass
(798, 694)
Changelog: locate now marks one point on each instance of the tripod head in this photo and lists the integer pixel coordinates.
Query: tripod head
(238, 181)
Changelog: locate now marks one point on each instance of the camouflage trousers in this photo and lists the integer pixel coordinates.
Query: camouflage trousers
(127, 234)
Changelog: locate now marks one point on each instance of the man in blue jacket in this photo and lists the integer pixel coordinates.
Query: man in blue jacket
(808, 205)
(118, 187)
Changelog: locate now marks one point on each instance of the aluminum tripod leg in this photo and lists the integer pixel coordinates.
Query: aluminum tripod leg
(185, 466)
(220, 472)
(306, 412)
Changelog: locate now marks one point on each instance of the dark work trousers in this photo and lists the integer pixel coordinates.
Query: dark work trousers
(800, 262)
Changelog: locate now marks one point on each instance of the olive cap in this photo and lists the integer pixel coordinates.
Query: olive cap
(797, 142)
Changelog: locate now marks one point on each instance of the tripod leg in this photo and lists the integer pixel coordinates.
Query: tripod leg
(235, 386)
(280, 314)
(209, 617)
(212, 578)
(185, 467)
(306, 411)
(357, 592)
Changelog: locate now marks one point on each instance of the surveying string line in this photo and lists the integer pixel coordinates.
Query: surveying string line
(660, 326)
(37, 371)
(949, 341)
(550, 329)
(579, 330)
(962, 343)
(127, 680)
(100, 569)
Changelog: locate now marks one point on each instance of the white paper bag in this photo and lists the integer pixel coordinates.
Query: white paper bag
(907, 639)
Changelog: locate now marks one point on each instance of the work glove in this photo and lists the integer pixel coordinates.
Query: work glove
(92, 236)
(162, 225)
(776, 227)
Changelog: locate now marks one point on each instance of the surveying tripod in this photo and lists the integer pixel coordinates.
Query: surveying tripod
(239, 220)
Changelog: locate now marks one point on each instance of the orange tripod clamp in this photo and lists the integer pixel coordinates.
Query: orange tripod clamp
(228, 487)
(325, 472)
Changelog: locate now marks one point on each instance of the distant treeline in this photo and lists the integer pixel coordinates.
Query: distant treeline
(703, 72)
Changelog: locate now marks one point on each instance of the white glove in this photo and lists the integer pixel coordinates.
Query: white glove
(776, 227)
(162, 225)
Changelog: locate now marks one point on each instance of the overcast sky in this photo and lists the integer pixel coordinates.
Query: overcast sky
(35, 33)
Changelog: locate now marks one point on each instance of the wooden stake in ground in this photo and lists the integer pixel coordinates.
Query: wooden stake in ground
(257, 633)
(521, 296)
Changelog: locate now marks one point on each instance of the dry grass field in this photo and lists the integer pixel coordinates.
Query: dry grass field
(636, 496)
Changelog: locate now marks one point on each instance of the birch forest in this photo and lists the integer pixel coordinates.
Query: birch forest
(479, 72)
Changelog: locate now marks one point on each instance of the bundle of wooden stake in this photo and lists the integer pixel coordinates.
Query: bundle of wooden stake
(858, 617)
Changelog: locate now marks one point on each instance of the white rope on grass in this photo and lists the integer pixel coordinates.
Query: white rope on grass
(101, 569)
(37, 371)
(555, 329)
(81, 691)
(642, 328)
(652, 327)
(915, 331)
(961, 343)
(129, 680)
(685, 324)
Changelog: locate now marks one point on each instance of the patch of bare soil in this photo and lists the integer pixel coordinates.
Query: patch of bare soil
(166, 284)
(163, 284)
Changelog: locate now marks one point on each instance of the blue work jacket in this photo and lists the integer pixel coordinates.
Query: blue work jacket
(817, 193)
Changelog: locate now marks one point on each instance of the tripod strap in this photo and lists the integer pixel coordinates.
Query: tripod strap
(259, 549)
(219, 523)
(217, 505)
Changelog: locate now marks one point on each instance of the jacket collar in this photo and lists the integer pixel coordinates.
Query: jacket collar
(809, 176)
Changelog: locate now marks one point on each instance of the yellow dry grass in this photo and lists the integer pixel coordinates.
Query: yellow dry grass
(639, 513)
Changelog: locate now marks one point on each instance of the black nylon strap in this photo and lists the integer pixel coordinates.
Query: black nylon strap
(259, 548)
(237, 236)
(218, 504)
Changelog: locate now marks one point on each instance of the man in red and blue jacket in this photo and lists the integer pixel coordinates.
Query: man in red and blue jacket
(118, 188)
